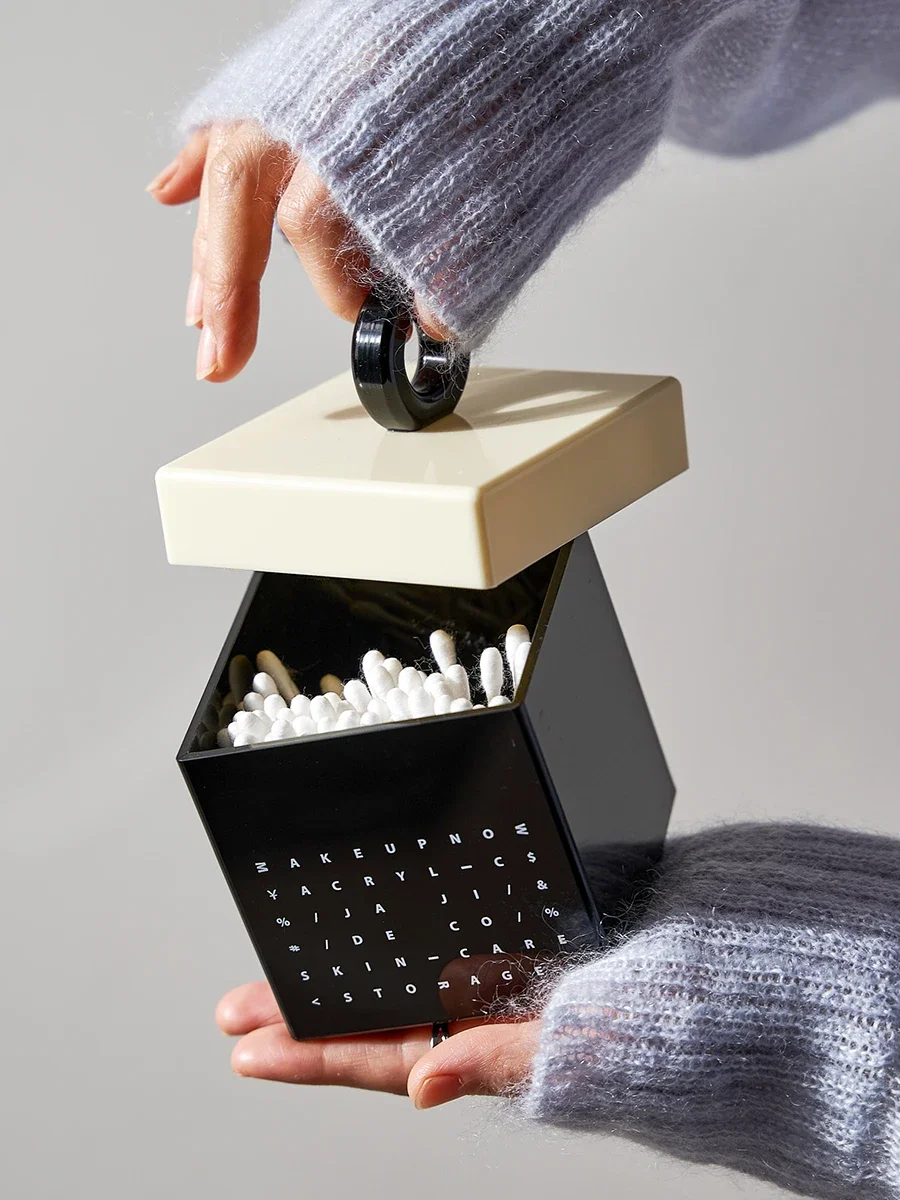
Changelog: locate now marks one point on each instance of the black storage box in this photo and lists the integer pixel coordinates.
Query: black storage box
(418, 871)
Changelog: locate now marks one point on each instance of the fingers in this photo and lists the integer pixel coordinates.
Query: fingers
(429, 324)
(246, 1008)
(377, 1062)
(179, 182)
(323, 240)
(484, 1061)
(244, 177)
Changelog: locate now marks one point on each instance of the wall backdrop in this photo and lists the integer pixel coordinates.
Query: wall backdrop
(759, 593)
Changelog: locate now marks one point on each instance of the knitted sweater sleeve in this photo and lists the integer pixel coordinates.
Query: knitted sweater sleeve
(463, 138)
(751, 1020)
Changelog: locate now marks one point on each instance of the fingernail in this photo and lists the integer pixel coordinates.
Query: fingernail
(163, 177)
(194, 311)
(438, 1089)
(206, 354)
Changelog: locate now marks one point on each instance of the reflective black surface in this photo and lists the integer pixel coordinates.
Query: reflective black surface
(378, 352)
(407, 873)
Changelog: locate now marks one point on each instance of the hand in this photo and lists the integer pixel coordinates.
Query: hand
(245, 182)
(478, 1060)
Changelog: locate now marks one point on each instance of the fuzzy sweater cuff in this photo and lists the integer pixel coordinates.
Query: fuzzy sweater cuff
(464, 138)
(752, 1019)
(461, 138)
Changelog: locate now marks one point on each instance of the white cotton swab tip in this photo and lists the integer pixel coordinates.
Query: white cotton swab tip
(370, 718)
(280, 730)
(443, 648)
(393, 666)
(319, 708)
(253, 702)
(515, 636)
(379, 708)
(420, 703)
(522, 652)
(398, 704)
(247, 739)
(272, 705)
(463, 704)
(300, 706)
(409, 681)
(358, 694)
(348, 720)
(250, 720)
(264, 684)
(380, 681)
(373, 661)
(442, 704)
(498, 701)
(459, 681)
(491, 672)
(303, 726)
(327, 724)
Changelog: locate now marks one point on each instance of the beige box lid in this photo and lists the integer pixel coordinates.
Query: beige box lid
(529, 460)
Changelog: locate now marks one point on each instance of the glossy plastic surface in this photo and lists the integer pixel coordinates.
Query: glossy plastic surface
(377, 361)
(407, 873)
(528, 461)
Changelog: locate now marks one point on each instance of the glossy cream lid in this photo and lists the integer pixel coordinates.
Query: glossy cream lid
(528, 461)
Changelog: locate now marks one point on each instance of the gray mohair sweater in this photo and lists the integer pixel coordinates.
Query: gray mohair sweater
(464, 138)
(751, 1017)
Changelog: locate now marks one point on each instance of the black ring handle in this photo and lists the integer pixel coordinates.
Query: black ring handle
(379, 367)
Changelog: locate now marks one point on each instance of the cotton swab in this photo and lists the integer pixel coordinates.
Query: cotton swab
(515, 636)
(270, 664)
(320, 708)
(409, 680)
(443, 648)
(522, 652)
(358, 694)
(264, 684)
(240, 676)
(398, 704)
(380, 681)
(491, 672)
(379, 708)
(331, 683)
(420, 703)
(457, 677)
(273, 709)
(273, 705)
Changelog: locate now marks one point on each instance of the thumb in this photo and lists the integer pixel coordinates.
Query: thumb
(482, 1061)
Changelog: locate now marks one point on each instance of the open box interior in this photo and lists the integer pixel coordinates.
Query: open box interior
(319, 626)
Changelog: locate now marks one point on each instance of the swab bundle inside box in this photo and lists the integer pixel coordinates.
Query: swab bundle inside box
(405, 836)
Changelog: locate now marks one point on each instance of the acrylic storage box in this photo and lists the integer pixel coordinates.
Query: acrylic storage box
(418, 871)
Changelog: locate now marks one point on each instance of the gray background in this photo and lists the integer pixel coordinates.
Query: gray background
(759, 593)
